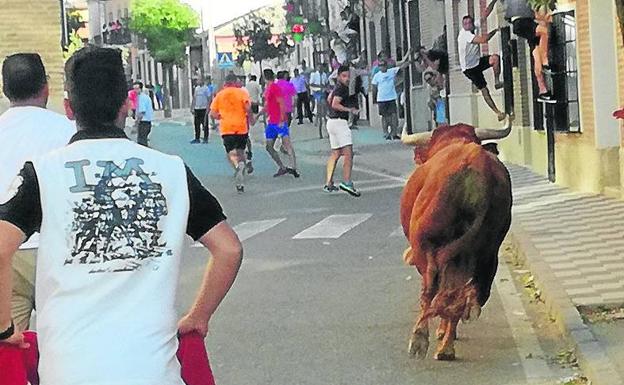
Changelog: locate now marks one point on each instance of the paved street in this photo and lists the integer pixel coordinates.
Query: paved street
(323, 296)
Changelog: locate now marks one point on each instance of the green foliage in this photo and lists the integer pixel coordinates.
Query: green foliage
(255, 40)
(167, 25)
(75, 43)
(549, 4)
(74, 20)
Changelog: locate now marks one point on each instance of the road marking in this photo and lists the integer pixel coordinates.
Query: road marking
(247, 230)
(319, 187)
(527, 345)
(387, 176)
(334, 226)
(398, 232)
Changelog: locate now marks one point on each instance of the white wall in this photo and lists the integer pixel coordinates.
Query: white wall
(602, 30)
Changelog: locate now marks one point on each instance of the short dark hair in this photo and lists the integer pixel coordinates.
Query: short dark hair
(231, 78)
(269, 74)
(23, 76)
(468, 17)
(281, 74)
(253, 77)
(138, 83)
(96, 86)
(343, 68)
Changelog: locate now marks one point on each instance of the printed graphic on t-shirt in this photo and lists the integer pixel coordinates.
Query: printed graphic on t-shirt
(115, 225)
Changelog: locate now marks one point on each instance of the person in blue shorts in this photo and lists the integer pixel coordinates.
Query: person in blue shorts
(277, 126)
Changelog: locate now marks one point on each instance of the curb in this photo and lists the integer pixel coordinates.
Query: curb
(591, 356)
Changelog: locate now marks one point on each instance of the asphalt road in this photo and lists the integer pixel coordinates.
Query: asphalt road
(323, 297)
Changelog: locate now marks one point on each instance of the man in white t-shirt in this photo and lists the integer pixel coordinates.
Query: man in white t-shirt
(113, 217)
(473, 64)
(27, 130)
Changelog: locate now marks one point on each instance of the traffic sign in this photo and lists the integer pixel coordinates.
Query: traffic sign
(224, 60)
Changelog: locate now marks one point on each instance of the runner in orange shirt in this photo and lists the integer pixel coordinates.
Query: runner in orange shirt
(232, 106)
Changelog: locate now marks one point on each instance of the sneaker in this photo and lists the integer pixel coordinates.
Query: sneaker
(205, 141)
(546, 97)
(240, 174)
(280, 172)
(293, 172)
(195, 141)
(396, 137)
(330, 188)
(240, 189)
(250, 168)
(348, 187)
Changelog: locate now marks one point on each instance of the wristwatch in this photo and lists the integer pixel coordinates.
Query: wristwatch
(7, 333)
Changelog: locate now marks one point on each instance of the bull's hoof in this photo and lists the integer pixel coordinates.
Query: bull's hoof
(445, 355)
(419, 344)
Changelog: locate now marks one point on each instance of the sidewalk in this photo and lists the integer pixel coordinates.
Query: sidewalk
(573, 244)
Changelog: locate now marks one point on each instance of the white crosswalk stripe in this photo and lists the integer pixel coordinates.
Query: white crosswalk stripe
(398, 232)
(247, 230)
(333, 226)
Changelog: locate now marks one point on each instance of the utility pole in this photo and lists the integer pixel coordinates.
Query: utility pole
(64, 31)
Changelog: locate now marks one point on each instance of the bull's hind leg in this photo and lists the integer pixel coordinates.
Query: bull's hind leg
(419, 342)
(446, 349)
(442, 328)
(472, 311)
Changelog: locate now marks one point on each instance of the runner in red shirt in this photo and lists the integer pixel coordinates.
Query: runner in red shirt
(277, 125)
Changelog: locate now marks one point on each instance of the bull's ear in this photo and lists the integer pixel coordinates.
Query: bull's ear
(490, 134)
(418, 139)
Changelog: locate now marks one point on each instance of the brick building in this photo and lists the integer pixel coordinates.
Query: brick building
(34, 26)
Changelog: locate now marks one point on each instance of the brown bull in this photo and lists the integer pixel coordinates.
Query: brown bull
(455, 212)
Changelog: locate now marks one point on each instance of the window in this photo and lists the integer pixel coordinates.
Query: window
(564, 80)
(413, 13)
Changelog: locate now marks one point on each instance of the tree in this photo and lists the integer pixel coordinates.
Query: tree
(167, 26)
(256, 42)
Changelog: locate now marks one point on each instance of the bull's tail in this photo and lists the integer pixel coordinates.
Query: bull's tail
(466, 195)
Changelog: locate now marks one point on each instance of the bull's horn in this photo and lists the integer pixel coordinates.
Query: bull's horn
(418, 139)
(489, 134)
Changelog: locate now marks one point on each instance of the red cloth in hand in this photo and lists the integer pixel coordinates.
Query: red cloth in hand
(19, 366)
(193, 359)
(619, 114)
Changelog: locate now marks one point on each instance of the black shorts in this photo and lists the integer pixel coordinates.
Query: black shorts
(387, 108)
(475, 74)
(255, 108)
(525, 28)
(234, 142)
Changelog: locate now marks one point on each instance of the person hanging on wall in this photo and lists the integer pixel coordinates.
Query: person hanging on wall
(473, 64)
(533, 26)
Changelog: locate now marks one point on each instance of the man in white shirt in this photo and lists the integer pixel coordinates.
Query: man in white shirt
(27, 130)
(255, 93)
(473, 64)
(318, 84)
(113, 217)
